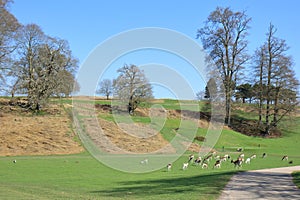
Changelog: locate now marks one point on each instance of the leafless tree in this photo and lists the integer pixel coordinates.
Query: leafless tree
(224, 38)
(259, 67)
(277, 80)
(106, 88)
(9, 26)
(132, 87)
(42, 60)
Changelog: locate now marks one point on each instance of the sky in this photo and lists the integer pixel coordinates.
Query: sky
(88, 24)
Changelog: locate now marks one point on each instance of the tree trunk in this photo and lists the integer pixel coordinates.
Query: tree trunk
(261, 89)
(244, 100)
(276, 109)
(268, 114)
(269, 100)
(228, 107)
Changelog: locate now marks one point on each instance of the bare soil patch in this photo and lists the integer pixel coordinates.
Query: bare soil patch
(23, 133)
(113, 138)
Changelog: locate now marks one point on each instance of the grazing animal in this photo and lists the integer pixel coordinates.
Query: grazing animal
(253, 156)
(239, 149)
(217, 157)
(14, 161)
(291, 162)
(169, 166)
(237, 163)
(204, 166)
(198, 160)
(242, 155)
(185, 166)
(208, 158)
(248, 161)
(285, 157)
(144, 161)
(217, 164)
(264, 155)
(191, 157)
(223, 159)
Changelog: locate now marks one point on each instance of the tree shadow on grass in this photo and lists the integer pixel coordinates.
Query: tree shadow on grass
(208, 185)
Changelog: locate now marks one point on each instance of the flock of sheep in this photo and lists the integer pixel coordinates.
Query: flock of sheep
(218, 160)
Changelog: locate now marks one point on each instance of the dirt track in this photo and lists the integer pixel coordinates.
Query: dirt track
(266, 184)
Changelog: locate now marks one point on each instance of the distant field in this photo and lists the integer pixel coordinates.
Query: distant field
(80, 176)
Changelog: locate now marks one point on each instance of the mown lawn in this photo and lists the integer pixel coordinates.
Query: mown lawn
(82, 177)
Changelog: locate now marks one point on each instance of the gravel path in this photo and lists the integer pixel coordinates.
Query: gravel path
(266, 184)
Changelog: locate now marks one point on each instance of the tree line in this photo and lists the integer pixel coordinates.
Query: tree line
(271, 82)
(32, 62)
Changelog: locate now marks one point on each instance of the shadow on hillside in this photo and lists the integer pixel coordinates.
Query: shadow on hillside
(201, 185)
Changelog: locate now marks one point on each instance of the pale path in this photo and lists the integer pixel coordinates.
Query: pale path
(263, 184)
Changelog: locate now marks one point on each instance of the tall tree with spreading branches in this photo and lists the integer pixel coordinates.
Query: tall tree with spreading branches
(41, 65)
(132, 87)
(277, 81)
(224, 38)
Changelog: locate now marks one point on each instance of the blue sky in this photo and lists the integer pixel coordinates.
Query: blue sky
(87, 23)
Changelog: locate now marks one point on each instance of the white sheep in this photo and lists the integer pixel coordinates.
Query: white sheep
(169, 166)
(226, 156)
(204, 165)
(248, 161)
(144, 161)
(217, 157)
(185, 166)
(223, 159)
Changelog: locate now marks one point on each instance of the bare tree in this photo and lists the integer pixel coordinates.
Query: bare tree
(224, 37)
(278, 85)
(106, 88)
(41, 60)
(259, 59)
(132, 87)
(8, 31)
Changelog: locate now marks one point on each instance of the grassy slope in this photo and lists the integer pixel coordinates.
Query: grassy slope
(82, 177)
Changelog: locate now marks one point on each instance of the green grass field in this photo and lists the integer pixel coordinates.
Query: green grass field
(83, 177)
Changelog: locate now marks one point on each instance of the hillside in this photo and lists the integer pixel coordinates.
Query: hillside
(51, 132)
(24, 133)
